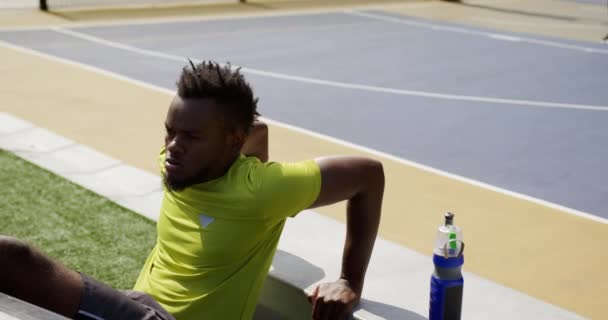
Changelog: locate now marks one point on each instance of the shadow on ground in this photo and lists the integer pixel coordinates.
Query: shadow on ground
(386, 311)
(282, 300)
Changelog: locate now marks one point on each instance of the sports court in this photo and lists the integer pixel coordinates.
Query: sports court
(505, 128)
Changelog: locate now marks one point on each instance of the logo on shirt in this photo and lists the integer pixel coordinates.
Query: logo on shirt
(205, 220)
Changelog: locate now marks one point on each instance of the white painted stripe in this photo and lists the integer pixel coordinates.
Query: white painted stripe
(330, 139)
(86, 67)
(312, 12)
(439, 172)
(90, 315)
(198, 18)
(180, 19)
(344, 85)
(505, 37)
(118, 45)
(491, 35)
(536, 24)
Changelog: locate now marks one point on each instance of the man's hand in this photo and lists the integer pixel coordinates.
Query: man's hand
(334, 300)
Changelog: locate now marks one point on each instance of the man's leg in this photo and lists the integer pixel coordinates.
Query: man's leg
(29, 275)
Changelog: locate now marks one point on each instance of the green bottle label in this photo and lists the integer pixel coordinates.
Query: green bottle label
(453, 243)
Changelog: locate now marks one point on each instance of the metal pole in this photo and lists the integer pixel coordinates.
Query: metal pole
(43, 5)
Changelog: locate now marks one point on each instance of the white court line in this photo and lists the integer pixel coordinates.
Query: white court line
(198, 18)
(565, 25)
(327, 138)
(345, 85)
(380, 17)
(171, 20)
(491, 35)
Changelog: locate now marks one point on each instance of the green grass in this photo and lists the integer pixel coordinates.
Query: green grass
(82, 230)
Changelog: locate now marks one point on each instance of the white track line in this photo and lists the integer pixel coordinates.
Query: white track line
(380, 17)
(199, 18)
(564, 25)
(328, 138)
(491, 35)
(344, 85)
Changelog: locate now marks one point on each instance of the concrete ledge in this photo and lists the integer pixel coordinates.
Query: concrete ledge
(15, 309)
(397, 285)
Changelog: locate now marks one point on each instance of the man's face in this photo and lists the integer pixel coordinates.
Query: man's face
(198, 147)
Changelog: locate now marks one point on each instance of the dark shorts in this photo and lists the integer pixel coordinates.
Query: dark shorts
(100, 302)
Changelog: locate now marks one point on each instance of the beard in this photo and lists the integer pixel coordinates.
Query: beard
(174, 185)
(181, 184)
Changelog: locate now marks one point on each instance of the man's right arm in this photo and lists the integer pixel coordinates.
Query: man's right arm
(256, 143)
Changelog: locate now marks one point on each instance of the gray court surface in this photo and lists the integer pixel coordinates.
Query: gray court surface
(524, 113)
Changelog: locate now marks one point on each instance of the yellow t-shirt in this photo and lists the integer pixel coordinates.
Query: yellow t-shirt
(216, 239)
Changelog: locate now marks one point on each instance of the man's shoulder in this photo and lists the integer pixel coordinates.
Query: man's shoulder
(256, 174)
(253, 165)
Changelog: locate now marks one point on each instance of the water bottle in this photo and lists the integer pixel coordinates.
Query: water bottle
(446, 281)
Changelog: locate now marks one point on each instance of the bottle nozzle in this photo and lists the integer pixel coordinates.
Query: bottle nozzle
(449, 219)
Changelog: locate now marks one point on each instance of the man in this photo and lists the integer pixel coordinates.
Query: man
(222, 214)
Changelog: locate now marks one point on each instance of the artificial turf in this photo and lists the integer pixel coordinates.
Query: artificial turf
(75, 226)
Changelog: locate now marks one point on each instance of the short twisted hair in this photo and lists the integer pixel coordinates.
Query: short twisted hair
(225, 85)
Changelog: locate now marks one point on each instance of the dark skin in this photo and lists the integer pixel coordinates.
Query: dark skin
(256, 143)
(199, 145)
(29, 275)
(201, 148)
(360, 181)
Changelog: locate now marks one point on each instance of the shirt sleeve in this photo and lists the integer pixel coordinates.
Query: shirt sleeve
(288, 188)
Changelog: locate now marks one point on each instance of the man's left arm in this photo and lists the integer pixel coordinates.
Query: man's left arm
(360, 181)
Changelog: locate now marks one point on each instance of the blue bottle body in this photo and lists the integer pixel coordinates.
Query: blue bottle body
(446, 288)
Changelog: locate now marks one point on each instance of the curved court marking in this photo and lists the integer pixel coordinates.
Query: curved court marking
(345, 85)
(327, 138)
(195, 18)
(492, 35)
(421, 24)
(509, 22)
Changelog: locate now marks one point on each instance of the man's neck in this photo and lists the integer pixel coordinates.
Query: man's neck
(220, 172)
